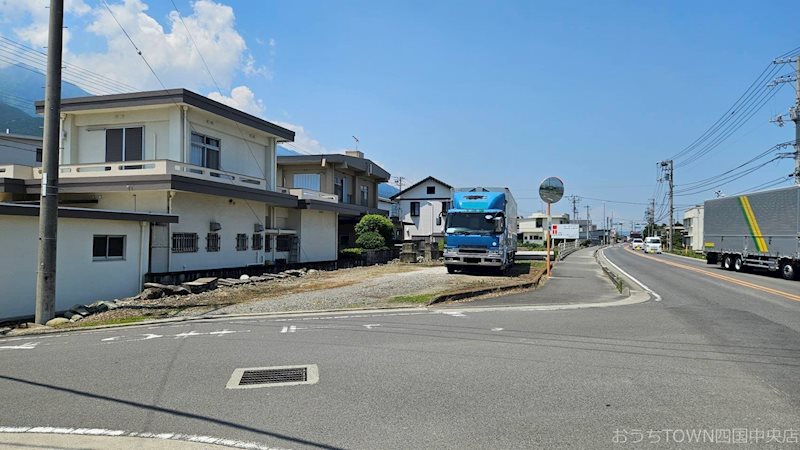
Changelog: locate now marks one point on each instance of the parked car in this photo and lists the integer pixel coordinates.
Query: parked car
(637, 244)
(652, 245)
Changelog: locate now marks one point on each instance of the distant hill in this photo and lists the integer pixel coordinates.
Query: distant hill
(17, 122)
(19, 89)
(387, 190)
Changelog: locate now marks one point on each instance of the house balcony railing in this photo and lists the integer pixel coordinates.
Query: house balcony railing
(307, 194)
(137, 168)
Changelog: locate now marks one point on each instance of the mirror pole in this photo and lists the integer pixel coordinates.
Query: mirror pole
(547, 257)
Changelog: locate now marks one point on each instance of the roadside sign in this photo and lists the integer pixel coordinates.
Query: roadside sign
(565, 231)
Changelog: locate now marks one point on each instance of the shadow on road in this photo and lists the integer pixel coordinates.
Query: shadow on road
(173, 412)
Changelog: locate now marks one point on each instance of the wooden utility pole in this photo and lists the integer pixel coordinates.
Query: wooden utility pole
(48, 205)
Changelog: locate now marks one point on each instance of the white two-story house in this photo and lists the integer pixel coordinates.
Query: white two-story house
(422, 209)
(206, 172)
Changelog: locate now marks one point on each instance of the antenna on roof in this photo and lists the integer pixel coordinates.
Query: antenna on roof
(357, 141)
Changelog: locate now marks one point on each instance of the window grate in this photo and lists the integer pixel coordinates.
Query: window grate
(241, 242)
(212, 242)
(258, 241)
(184, 242)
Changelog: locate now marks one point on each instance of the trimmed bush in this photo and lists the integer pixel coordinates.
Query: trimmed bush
(353, 252)
(375, 223)
(370, 240)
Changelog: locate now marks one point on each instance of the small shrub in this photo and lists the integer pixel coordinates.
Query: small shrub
(348, 253)
(370, 240)
(375, 223)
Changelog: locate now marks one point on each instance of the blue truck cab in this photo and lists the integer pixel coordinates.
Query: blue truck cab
(481, 229)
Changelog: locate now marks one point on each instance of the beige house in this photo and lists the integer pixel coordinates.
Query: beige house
(348, 182)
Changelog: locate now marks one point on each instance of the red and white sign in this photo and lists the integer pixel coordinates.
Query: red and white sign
(565, 231)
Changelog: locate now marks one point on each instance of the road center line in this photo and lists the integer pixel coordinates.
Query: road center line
(748, 284)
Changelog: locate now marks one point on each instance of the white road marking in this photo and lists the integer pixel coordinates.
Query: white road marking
(114, 338)
(372, 325)
(225, 331)
(289, 329)
(25, 346)
(497, 329)
(119, 433)
(454, 313)
(656, 297)
(185, 335)
(146, 337)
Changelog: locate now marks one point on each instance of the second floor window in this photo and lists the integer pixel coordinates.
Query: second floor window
(364, 196)
(38, 155)
(124, 144)
(414, 209)
(306, 181)
(341, 189)
(205, 151)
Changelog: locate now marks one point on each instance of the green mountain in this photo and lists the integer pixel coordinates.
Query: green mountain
(19, 89)
(17, 122)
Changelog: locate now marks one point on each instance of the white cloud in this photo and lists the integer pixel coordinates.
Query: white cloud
(171, 50)
(303, 142)
(36, 16)
(241, 98)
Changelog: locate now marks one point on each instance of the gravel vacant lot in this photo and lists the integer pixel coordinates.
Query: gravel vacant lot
(388, 285)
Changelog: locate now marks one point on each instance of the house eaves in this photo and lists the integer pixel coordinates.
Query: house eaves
(428, 178)
(14, 209)
(167, 97)
(363, 165)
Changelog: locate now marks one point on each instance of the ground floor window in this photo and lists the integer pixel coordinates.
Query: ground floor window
(184, 242)
(105, 247)
(283, 243)
(258, 241)
(212, 242)
(241, 242)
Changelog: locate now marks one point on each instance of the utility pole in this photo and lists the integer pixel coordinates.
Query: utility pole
(48, 205)
(605, 225)
(575, 200)
(399, 182)
(588, 223)
(668, 168)
(794, 112)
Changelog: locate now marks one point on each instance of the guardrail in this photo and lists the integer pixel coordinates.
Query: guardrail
(565, 248)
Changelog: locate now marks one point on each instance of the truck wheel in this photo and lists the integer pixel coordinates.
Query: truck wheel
(788, 271)
(727, 262)
(451, 269)
(738, 264)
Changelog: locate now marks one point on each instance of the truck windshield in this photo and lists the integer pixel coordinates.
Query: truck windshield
(471, 223)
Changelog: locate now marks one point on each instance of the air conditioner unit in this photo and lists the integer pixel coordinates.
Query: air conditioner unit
(215, 226)
(258, 228)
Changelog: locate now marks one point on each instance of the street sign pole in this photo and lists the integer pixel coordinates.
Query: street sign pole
(547, 258)
(550, 191)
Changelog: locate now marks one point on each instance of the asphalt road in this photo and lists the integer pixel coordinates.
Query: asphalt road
(711, 355)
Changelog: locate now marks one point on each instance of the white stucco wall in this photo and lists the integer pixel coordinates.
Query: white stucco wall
(693, 221)
(79, 279)
(18, 151)
(318, 231)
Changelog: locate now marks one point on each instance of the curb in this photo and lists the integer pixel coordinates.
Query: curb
(615, 278)
(50, 330)
(478, 292)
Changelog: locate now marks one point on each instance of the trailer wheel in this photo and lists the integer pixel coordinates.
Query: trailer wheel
(727, 262)
(738, 263)
(788, 270)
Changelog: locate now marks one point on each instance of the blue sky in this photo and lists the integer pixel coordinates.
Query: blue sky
(485, 93)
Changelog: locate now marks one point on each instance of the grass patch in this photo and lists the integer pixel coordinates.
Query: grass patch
(690, 253)
(419, 298)
(119, 321)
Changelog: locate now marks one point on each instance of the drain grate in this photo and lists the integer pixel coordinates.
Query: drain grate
(256, 377)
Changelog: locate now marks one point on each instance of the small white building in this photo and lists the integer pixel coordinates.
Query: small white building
(422, 208)
(693, 224)
(101, 255)
(20, 149)
(532, 228)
